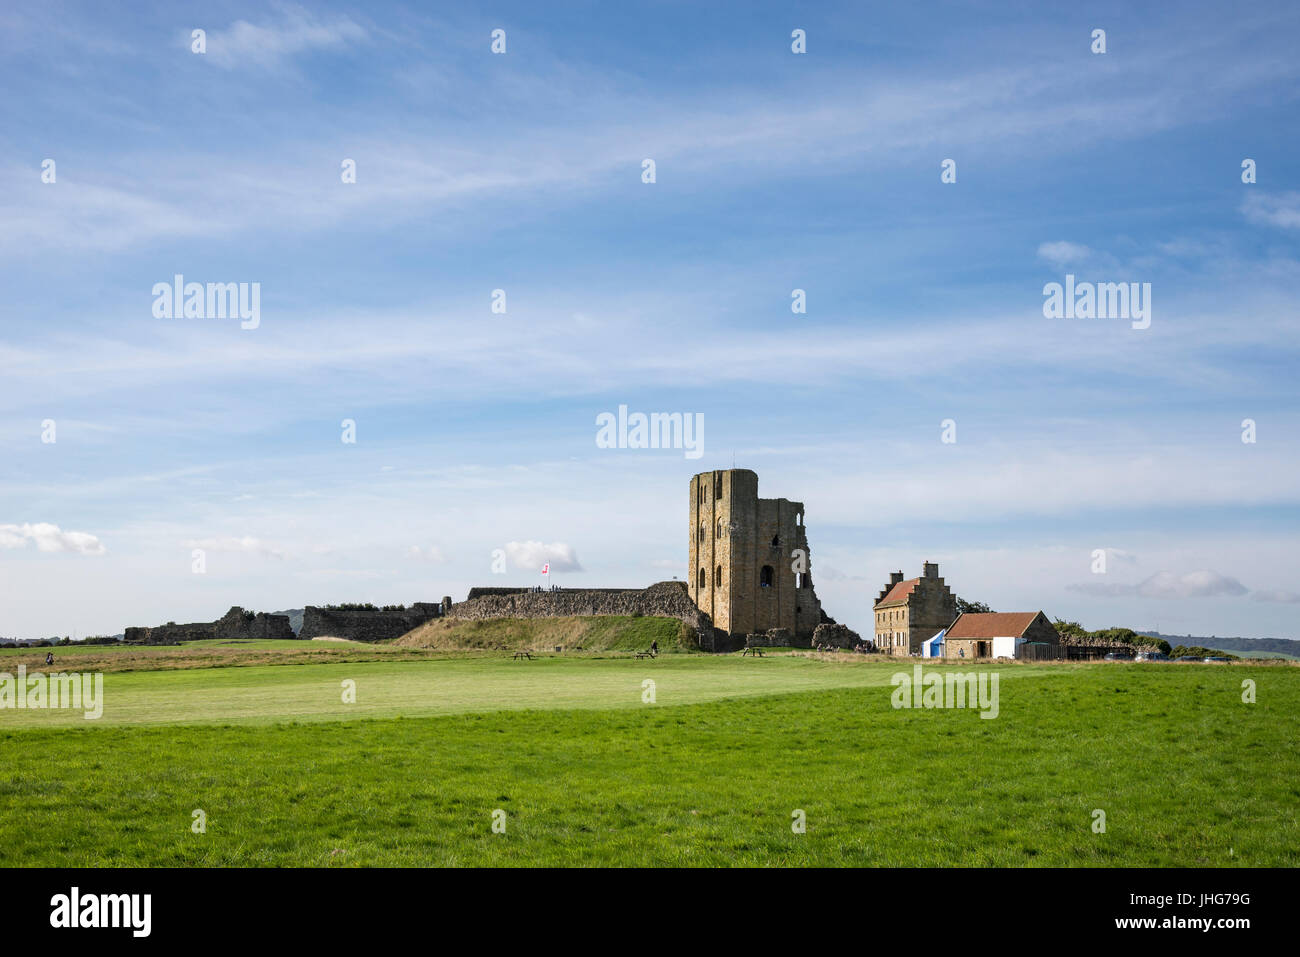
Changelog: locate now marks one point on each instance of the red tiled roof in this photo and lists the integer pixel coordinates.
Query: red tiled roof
(994, 624)
(898, 594)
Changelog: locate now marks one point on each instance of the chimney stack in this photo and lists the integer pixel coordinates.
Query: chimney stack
(930, 570)
(895, 577)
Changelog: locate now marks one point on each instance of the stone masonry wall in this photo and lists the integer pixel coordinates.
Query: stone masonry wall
(740, 552)
(365, 624)
(234, 624)
(663, 600)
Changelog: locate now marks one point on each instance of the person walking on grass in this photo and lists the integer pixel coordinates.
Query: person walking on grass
(654, 647)
(49, 658)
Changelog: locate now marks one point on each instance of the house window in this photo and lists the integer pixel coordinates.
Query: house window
(701, 579)
(766, 577)
(717, 576)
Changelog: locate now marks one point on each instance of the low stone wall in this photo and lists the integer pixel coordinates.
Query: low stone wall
(662, 600)
(234, 624)
(365, 624)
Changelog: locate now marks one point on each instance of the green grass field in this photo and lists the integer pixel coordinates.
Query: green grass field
(710, 774)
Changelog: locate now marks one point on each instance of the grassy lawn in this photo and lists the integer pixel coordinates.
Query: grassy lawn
(81, 649)
(436, 684)
(710, 774)
(610, 634)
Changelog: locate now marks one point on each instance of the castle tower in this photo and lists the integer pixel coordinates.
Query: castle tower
(749, 564)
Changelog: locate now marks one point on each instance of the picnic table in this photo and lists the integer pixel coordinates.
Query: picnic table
(646, 654)
(523, 654)
(757, 652)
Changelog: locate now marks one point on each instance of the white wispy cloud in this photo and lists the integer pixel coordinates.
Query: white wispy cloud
(247, 544)
(50, 538)
(531, 556)
(1063, 253)
(1273, 209)
(1203, 583)
(431, 553)
(268, 44)
(402, 175)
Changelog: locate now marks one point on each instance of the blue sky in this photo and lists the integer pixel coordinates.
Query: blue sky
(523, 172)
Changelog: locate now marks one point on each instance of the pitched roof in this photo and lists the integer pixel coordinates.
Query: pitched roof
(898, 594)
(993, 624)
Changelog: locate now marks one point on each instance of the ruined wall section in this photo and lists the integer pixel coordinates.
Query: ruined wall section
(366, 624)
(235, 624)
(663, 600)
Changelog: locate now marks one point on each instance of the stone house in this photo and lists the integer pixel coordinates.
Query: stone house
(909, 612)
(997, 634)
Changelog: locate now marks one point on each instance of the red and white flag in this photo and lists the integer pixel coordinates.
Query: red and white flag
(546, 569)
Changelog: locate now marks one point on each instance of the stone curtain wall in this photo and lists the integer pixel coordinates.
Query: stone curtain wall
(234, 624)
(169, 634)
(365, 624)
(663, 600)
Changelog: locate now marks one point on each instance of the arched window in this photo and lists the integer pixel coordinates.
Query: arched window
(701, 579)
(717, 576)
(766, 577)
(701, 533)
(776, 541)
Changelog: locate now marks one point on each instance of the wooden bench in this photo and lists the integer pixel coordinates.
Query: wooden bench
(523, 654)
(757, 652)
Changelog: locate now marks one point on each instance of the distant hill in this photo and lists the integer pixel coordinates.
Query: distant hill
(295, 618)
(1250, 647)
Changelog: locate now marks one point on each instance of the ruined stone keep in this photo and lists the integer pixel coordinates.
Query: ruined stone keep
(744, 570)
(909, 612)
